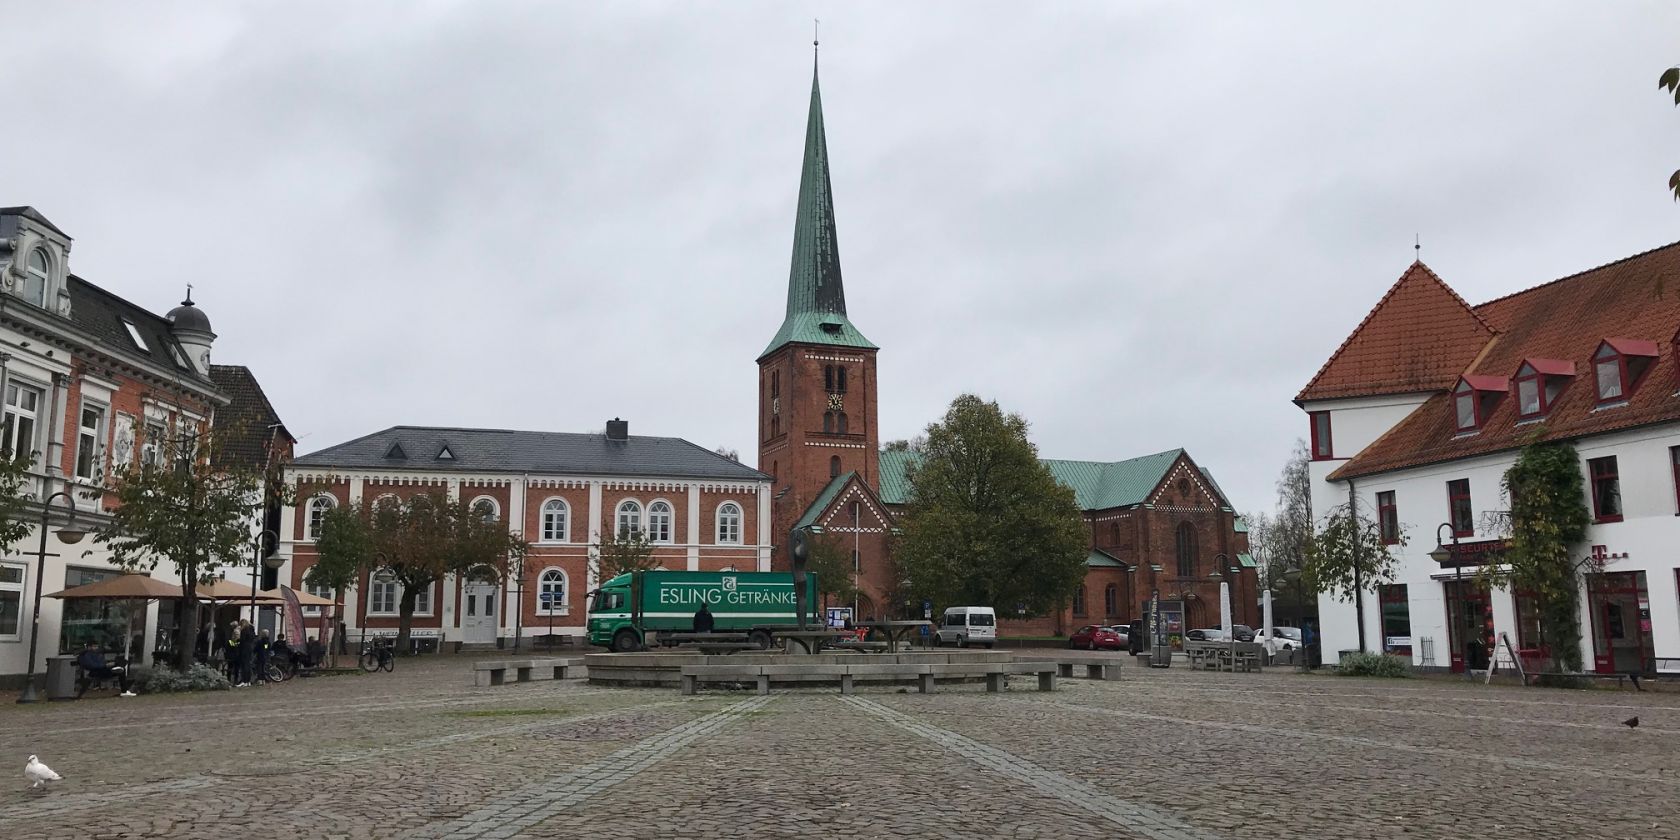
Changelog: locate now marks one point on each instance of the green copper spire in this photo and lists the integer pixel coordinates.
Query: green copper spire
(816, 302)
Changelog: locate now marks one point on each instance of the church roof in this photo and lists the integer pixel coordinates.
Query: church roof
(816, 301)
(823, 500)
(1097, 485)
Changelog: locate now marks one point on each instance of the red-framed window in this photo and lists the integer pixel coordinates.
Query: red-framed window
(1475, 398)
(1465, 407)
(1322, 448)
(1619, 366)
(1459, 509)
(1606, 489)
(1539, 383)
(1674, 461)
(1388, 517)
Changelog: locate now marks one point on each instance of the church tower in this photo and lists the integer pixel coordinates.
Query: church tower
(816, 379)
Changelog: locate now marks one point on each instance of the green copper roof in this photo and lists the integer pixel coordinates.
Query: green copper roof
(1239, 525)
(1096, 484)
(1101, 558)
(821, 503)
(816, 301)
(1246, 560)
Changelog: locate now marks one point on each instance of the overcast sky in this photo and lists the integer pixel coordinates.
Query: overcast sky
(1141, 226)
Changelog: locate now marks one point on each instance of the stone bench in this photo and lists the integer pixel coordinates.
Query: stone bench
(1095, 669)
(925, 674)
(488, 672)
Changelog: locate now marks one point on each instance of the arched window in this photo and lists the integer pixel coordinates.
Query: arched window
(828, 377)
(318, 508)
(387, 501)
(834, 466)
(1111, 600)
(1079, 600)
(1186, 550)
(729, 523)
(486, 508)
(659, 522)
(828, 422)
(556, 517)
(842, 416)
(840, 380)
(34, 288)
(629, 517)
(776, 425)
(551, 592)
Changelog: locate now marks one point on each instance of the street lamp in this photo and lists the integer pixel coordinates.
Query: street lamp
(1441, 555)
(272, 561)
(69, 535)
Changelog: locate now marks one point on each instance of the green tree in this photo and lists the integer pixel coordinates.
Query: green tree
(832, 564)
(423, 539)
(1282, 541)
(15, 521)
(344, 549)
(1347, 557)
(1670, 81)
(1547, 522)
(628, 551)
(987, 523)
(176, 506)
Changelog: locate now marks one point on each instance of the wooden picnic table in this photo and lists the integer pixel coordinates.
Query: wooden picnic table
(895, 631)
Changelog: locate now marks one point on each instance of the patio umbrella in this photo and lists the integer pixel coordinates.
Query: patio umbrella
(225, 590)
(125, 587)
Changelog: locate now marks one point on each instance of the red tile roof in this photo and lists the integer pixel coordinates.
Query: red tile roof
(1565, 320)
(1419, 337)
(1488, 383)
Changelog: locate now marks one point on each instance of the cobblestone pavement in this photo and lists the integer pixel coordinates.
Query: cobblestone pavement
(1167, 755)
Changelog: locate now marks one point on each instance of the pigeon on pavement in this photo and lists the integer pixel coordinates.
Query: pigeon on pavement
(1631, 722)
(39, 774)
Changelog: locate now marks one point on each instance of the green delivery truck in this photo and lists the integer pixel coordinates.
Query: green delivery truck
(629, 607)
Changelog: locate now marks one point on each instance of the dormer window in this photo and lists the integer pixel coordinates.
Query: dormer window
(1619, 365)
(1539, 384)
(134, 333)
(35, 275)
(1475, 398)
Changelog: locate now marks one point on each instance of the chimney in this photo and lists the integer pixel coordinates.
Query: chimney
(618, 429)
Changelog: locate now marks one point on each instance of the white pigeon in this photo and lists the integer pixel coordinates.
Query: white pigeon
(39, 774)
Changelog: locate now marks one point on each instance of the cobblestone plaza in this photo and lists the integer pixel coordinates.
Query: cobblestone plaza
(1173, 754)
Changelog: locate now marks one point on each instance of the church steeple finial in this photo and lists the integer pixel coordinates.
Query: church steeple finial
(816, 302)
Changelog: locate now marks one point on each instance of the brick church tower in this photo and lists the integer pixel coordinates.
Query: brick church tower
(816, 378)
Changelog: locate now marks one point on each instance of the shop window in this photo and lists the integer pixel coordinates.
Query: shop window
(1396, 619)
(107, 622)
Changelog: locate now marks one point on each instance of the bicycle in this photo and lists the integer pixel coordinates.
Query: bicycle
(377, 655)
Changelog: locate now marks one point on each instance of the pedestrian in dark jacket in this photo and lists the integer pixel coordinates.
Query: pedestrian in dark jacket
(247, 651)
(262, 651)
(703, 619)
(94, 666)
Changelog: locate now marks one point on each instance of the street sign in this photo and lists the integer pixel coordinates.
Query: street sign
(927, 610)
(546, 598)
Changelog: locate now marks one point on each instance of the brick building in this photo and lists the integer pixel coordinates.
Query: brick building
(1157, 521)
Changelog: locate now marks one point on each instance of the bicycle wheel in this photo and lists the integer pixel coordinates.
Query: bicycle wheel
(388, 662)
(370, 661)
(276, 673)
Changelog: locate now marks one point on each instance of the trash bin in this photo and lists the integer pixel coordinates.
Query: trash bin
(61, 678)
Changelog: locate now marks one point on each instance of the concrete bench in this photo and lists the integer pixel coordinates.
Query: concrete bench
(694, 675)
(1095, 669)
(1045, 671)
(925, 674)
(495, 672)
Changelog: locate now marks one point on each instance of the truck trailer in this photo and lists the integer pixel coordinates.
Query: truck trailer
(626, 610)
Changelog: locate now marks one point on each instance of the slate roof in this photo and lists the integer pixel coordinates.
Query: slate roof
(816, 302)
(243, 425)
(101, 313)
(32, 213)
(505, 450)
(1419, 337)
(1097, 485)
(1635, 298)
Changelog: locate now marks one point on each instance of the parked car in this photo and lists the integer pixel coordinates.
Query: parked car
(1287, 638)
(1243, 632)
(1125, 634)
(1206, 634)
(964, 626)
(1095, 637)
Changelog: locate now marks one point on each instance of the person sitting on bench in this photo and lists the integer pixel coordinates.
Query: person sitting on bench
(94, 667)
(703, 619)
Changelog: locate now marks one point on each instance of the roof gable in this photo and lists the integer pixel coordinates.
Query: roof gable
(1419, 337)
(832, 510)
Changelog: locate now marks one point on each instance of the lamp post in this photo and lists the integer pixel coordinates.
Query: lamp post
(1441, 555)
(69, 535)
(272, 561)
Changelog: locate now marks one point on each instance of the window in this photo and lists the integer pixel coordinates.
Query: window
(22, 403)
(1322, 450)
(487, 509)
(1475, 398)
(842, 424)
(134, 333)
(1111, 600)
(1458, 508)
(382, 593)
(151, 451)
(556, 516)
(1079, 600)
(34, 288)
(840, 380)
(1539, 383)
(775, 384)
(776, 425)
(828, 377)
(729, 523)
(1619, 366)
(659, 522)
(319, 592)
(1186, 550)
(107, 622)
(1674, 461)
(423, 601)
(1396, 619)
(775, 470)
(834, 466)
(629, 517)
(551, 592)
(11, 599)
(318, 508)
(87, 440)
(1388, 517)
(1464, 404)
(1606, 490)
(1607, 365)
(828, 422)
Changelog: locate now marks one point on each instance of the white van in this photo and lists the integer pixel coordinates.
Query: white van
(963, 626)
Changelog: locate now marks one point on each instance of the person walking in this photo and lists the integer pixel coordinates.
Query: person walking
(246, 651)
(230, 653)
(262, 651)
(703, 619)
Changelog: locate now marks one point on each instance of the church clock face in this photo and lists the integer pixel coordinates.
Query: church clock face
(835, 402)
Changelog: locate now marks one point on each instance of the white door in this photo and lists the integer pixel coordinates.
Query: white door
(478, 613)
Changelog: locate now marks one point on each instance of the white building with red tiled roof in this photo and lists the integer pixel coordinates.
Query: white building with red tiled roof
(1428, 402)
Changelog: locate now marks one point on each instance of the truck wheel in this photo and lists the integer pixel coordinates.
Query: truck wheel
(761, 639)
(625, 641)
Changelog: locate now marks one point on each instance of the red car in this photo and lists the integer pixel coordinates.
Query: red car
(1094, 637)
